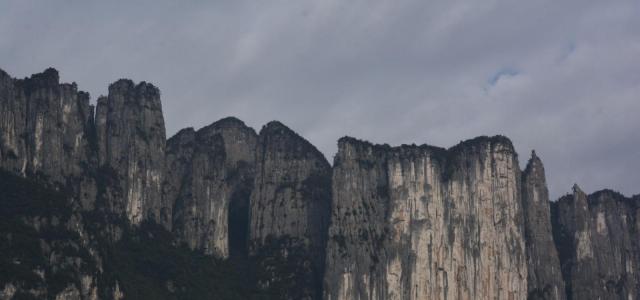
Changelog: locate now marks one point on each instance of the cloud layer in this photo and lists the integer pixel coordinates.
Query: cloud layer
(560, 77)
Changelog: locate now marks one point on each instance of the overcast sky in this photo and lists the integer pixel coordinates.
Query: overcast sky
(560, 77)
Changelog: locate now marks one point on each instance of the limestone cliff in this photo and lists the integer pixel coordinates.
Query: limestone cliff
(598, 241)
(544, 275)
(131, 150)
(290, 206)
(209, 180)
(45, 130)
(419, 222)
(273, 217)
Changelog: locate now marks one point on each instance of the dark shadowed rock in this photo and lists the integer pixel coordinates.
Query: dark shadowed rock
(209, 179)
(597, 239)
(290, 206)
(544, 275)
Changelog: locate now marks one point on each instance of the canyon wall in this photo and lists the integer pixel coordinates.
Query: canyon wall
(209, 177)
(408, 222)
(45, 132)
(419, 222)
(289, 212)
(598, 243)
(131, 150)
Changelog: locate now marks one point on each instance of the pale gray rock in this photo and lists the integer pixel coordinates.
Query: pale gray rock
(409, 222)
(131, 151)
(420, 222)
(45, 132)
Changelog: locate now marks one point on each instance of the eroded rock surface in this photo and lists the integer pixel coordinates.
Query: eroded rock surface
(409, 222)
(45, 130)
(131, 151)
(597, 238)
(426, 223)
(209, 180)
(544, 274)
(290, 207)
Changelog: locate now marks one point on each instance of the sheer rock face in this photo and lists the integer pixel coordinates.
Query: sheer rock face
(597, 239)
(290, 206)
(209, 180)
(544, 274)
(426, 223)
(410, 222)
(131, 150)
(45, 130)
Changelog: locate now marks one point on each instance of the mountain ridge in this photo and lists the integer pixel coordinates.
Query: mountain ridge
(380, 222)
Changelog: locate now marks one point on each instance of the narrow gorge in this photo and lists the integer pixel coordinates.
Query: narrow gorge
(97, 203)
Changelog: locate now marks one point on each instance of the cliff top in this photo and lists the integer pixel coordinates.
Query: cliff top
(3, 73)
(276, 128)
(185, 133)
(227, 122)
(534, 164)
(126, 86)
(601, 197)
(466, 144)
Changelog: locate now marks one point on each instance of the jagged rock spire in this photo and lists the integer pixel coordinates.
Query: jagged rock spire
(543, 282)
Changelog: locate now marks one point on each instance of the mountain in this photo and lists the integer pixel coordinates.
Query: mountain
(97, 203)
(419, 222)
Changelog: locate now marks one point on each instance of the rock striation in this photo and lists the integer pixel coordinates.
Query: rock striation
(209, 179)
(598, 242)
(419, 222)
(45, 130)
(131, 150)
(544, 274)
(84, 190)
(290, 206)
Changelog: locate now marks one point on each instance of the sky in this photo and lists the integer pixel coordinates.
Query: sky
(560, 77)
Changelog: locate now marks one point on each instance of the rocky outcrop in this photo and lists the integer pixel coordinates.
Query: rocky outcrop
(544, 274)
(419, 222)
(408, 222)
(598, 241)
(45, 130)
(131, 150)
(209, 180)
(290, 206)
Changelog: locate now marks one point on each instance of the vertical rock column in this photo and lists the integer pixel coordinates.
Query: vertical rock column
(45, 130)
(209, 181)
(131, 143)
(420, 222)
(358, 232)
(290, 212)
(544, 273)
(13, 111)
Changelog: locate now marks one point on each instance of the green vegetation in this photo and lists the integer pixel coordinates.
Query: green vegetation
(41, 253)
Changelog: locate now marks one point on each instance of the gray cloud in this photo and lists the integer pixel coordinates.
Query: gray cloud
(559, 77)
